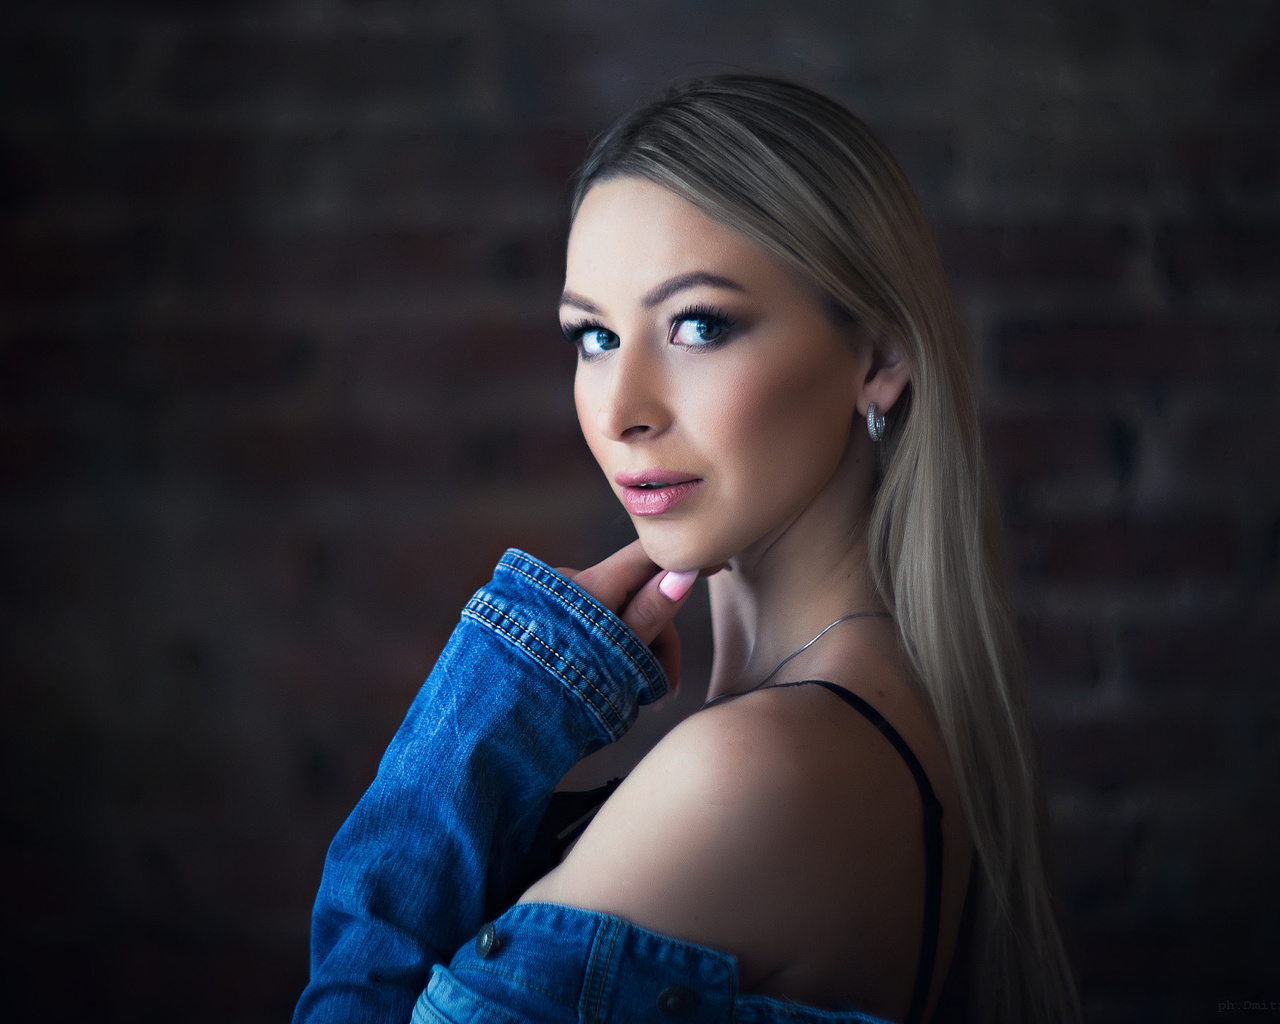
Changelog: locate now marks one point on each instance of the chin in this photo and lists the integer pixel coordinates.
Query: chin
(676, 550)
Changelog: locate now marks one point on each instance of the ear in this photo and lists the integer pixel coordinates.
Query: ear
(886, 375)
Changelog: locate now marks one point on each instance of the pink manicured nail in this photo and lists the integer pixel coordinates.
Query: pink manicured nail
(674, 585)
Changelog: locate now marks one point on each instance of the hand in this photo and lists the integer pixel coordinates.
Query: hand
(629, 584)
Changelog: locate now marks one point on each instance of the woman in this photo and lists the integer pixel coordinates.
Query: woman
(773, 378)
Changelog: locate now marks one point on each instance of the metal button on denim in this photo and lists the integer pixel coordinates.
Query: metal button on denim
(486, 940)
(677, 1001)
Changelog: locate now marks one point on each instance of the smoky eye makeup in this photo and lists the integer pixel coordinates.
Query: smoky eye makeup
(702, 326)
(590, 337)
(699, 327)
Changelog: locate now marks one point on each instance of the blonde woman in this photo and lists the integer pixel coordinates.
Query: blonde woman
(774, 381)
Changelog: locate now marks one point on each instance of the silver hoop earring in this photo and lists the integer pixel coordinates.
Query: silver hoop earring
(875, 424)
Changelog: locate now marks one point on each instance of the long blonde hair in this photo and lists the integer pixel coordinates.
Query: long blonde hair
(810, 183)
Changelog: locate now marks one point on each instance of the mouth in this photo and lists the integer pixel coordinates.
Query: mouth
(651, 478)
(654, 492)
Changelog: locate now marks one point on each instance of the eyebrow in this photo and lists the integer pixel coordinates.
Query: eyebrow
(662, 292)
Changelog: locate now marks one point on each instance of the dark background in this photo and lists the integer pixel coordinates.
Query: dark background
(280, 379)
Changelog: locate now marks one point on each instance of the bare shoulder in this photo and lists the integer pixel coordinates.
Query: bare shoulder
(773, 828)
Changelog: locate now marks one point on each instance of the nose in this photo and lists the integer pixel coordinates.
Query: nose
(634, 404)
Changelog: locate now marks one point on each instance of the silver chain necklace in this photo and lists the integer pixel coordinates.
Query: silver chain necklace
(801, 650)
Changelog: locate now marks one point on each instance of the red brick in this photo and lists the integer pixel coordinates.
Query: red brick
(516, 452)
(218, 67)
(1227, 164)
(1175, 954)
(471, 160)
(526, 254)
(1036, 446)
(926, 153)
(50, 366)
(211, 263)
(36, 266)
(1094, 862)
(313, 673)
(431, 575)
(1039, 253)
(55, 68)
(1242, 847)
(328, 452)
(155, 975)
(230, 359)
(136, 167)
(1238, 448)
(338, 263)
(334, 451)
(564, 69)
(40, 364)
(1216, 654)
(1140, 553)
(1137, 352)
(468, 352)
(1155, 746)
(1059, 651)
(52, 568)
(1255, 74)
(35, 452)
(1074, 167)
(333, 263)
(1207, 253)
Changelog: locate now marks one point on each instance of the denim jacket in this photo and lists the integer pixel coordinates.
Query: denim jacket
(536, 676)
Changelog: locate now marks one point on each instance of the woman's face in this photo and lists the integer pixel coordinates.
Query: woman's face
(712, 387)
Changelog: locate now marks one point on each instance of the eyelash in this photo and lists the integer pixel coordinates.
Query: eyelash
(573, 332)
(711, 315)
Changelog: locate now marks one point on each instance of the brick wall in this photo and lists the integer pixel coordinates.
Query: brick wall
(280, 378)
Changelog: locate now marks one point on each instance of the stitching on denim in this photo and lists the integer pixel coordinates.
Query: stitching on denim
(589, 982)
(754, 1002)
(704, 952)
(454, 983)
(499, 614)
(498, 628)
(517, 979)
(607, 973)
(551, 651)
(623, 639)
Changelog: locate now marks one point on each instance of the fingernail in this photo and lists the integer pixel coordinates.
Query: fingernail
(674, 585)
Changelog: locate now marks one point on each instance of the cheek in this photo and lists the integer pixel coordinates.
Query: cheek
(582, 403)
(775, 428)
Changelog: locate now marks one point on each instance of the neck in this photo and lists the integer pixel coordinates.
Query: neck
(776, 596)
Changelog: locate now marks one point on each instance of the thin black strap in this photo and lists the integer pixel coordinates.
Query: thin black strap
(932, 842)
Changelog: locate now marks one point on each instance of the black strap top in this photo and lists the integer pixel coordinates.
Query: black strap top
(569, 813)
(932, 842)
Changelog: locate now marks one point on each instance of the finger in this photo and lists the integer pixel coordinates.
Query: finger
(612, 581)
(656, 603)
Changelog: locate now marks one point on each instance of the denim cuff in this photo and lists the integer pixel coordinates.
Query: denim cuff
(568, 633)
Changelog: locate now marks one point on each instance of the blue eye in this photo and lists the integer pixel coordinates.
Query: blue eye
(592, 340)
(595, 340)
(700, 327)
(698, 332)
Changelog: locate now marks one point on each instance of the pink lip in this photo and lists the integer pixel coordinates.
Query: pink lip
(653, 476)
(654, 501)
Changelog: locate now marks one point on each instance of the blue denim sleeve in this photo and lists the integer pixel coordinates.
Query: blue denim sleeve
(536, 676)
